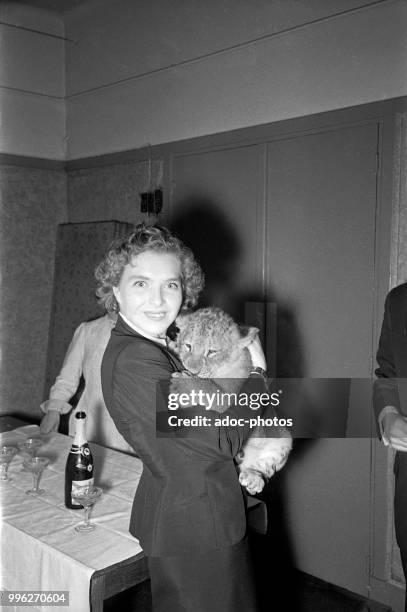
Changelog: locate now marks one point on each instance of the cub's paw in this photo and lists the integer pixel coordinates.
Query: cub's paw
(252, 481)
(184, 383)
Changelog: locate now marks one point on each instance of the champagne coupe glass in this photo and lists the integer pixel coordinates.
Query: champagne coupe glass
(87, 497)
(6, 455)
(36, 465)
(30, 446)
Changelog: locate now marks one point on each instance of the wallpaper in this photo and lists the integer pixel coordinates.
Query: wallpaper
(32, 203)
(112, 192)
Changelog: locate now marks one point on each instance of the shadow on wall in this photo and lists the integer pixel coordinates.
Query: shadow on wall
(205, 229)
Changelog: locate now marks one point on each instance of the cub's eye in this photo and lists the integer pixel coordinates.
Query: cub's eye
(212, 352)
(188, 346)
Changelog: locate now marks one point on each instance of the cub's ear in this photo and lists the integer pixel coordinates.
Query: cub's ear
(181, 321)
(176, 327)
(248, 334)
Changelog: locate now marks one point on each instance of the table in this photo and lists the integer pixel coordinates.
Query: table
(40, 548)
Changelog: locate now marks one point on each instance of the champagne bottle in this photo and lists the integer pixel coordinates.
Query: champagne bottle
(79, 465)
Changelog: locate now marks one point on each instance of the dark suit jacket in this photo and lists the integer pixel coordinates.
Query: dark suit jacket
(189, 499)
(390, 389)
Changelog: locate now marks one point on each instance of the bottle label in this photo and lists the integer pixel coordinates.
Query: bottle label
(83, 466)
(80, 450)
(78, 486)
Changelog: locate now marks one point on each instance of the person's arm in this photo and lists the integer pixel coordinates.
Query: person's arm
(140, 389)
(65, 384)
(385, 390)
(392, 424)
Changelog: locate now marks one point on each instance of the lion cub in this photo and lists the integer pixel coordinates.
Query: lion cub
(211, 345)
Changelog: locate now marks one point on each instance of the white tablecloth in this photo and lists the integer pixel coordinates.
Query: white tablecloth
(40, 549)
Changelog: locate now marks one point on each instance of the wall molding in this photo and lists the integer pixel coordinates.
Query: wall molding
(31, 162)
(30, 93)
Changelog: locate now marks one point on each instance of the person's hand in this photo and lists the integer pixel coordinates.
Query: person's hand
(50, 422)
(182, 374)
(257, 354)
(395, 429)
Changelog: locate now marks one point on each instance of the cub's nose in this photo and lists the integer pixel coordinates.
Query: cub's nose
(194, 366)
(194, 370)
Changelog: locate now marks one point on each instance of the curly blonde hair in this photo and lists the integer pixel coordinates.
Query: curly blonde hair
(147, 238)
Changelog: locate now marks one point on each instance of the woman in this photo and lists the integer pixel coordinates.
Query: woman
(188, 512)
(83, 359)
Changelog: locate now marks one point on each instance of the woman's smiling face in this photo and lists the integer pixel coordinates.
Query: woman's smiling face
(149, 293)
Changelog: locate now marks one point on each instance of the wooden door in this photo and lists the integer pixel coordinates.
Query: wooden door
(321, 208)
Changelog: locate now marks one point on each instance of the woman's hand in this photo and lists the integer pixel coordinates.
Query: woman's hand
(50, 422)
(182, 374)
(257, 354)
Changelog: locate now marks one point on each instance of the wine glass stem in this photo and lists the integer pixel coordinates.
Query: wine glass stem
(87, 515)
(36, 481)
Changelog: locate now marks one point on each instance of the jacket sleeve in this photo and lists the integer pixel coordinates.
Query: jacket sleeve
(69, 377)
(385, 388)
(140, 389)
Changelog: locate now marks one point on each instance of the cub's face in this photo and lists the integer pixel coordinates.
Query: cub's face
(208, 339)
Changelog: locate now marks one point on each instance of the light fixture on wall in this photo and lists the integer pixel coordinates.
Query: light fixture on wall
(151, 201)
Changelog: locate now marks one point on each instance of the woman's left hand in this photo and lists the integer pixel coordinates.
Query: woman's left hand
(50, 422)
